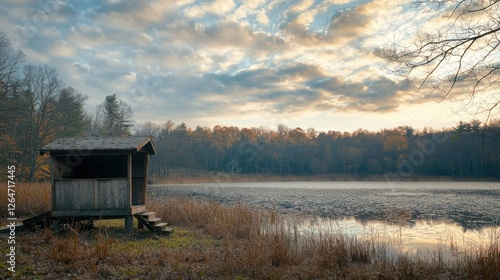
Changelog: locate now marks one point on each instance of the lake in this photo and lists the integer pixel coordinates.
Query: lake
(416, 216)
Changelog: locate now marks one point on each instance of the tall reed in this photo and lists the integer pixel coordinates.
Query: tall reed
(236, 242)
(31, 199)
(257, 242)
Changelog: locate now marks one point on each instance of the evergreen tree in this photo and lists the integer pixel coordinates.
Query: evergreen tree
(113, 118)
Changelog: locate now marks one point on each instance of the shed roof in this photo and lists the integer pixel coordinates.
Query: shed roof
(129, 144)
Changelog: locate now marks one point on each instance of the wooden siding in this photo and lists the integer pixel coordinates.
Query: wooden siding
(91, 194)
(113, 194)
(69, 195)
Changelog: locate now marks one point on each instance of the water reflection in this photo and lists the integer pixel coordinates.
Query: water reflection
(469, 205)
(466, 220)
(420, 237)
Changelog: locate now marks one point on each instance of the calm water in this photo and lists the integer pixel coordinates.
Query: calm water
(417, 216)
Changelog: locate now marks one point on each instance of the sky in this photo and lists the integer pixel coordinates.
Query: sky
(307, 63)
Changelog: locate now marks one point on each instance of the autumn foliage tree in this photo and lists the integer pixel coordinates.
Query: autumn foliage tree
(454, 152)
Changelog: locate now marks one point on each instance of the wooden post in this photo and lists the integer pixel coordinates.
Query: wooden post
(145, 186)
(129, 179)
(53, 165)
(129, 224)
(56, 225)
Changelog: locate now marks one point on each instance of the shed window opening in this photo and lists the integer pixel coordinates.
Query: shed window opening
(91, 167)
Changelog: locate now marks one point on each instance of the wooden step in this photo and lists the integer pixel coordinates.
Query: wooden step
(153, 223)
(7, 229)
(148, 215)
(160, 225)
(39, 221)
(167, 230)
(153, 220)
(143, 220)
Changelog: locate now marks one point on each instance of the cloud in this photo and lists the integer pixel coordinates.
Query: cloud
(346, 26)
(375, 95)
(301, 6)
(246, 9)
(217, 7)
(198, 59)
(295, 88)
(262, 17)
(221, 34)
(132, 15)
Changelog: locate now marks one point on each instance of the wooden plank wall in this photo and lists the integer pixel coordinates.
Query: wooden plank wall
(113, 194)
(73, 194)
(91, 194)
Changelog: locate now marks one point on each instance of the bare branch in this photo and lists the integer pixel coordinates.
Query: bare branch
(462, 52)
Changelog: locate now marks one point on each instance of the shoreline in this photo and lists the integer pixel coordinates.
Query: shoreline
(198, 177)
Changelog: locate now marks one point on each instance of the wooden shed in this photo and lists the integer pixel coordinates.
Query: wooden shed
(100, 178)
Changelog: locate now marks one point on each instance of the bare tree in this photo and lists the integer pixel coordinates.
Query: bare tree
(461, 56)
(41, 85)
(10, 61)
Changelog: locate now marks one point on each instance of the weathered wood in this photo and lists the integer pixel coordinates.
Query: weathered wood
(98, 213)
(108, 145)
(129, 224)
(39, 221)
(86, 193)
(167, 230)
(129, 179)
(153, 220)
(8, 229)
(152, 223)
(161, 225)
(53, 166)
(146, 166)
(112, 194)
(99, 177)
(143, 222)
(148, 215)
(91, 194)
(136, 209)
(73, 194)
(56, 225)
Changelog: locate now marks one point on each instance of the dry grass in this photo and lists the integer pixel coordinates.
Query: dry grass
(258, 244)
(229, 242)
(31, 199)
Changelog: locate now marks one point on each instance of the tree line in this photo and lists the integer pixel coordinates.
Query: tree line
(37, 107)
(468, 150)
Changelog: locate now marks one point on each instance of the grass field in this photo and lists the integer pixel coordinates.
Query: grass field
(212, 241)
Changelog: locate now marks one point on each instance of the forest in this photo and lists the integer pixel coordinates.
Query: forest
(467, 151)
(37, 107)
